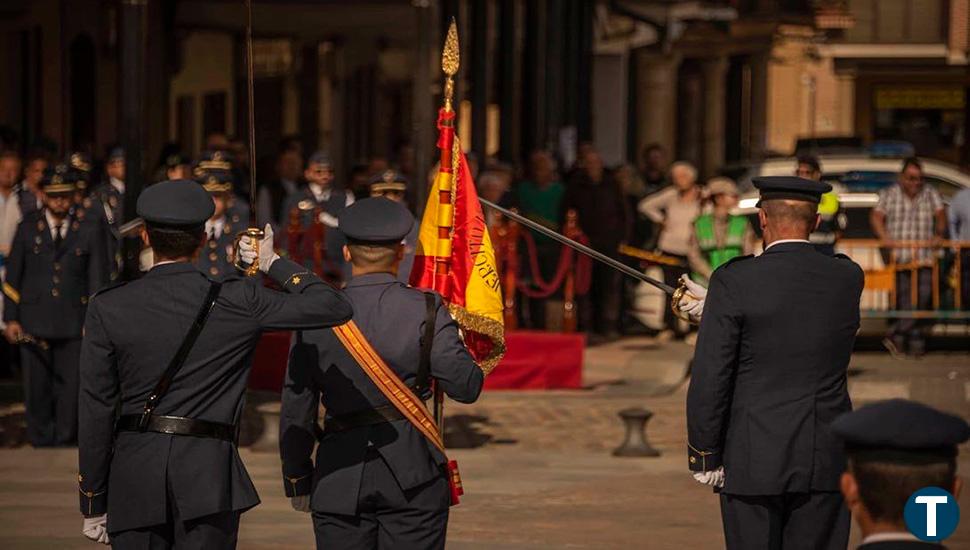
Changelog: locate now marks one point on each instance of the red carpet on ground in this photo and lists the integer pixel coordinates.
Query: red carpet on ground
(539, 361)
(534, 361)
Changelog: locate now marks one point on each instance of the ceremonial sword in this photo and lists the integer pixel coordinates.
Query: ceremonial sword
(579, 247)
(254, 233)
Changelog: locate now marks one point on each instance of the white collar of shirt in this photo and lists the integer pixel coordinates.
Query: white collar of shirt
(52, 223)
(891, 536)
(319, 193)
(213, 228)
(156, 264)
(117, 184)
(783, 241)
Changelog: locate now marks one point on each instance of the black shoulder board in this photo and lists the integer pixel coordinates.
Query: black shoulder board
(108, 288)
(841, 256)
(736, 259)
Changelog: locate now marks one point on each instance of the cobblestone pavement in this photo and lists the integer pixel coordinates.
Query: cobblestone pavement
(537, 465)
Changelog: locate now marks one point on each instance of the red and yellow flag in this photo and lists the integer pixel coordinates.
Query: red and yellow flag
(454, 254)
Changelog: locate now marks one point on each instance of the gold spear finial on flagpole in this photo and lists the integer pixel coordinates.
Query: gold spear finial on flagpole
(450, 59)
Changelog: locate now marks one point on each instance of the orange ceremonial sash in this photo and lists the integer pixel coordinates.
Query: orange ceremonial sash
(401, 396)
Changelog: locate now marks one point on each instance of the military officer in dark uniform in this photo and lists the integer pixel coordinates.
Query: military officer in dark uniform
(178, 166)
(216, 258)
(320, 195)
(392, 185)
(55, 264)
(108, 205)
(80, 165)
(769, 377)
(895, 448)
(377, 482)
(221, 162)
(166, 472)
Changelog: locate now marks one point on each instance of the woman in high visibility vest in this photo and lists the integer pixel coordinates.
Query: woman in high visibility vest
(718, 234)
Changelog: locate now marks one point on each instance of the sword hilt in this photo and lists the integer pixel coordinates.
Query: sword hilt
(675, 298)
(255, 235)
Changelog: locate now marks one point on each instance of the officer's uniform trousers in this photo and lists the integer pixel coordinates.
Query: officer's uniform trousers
(388, 517)
(214, 531)
(788, 521)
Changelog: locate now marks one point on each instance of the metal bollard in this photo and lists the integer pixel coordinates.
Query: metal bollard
(635, 442)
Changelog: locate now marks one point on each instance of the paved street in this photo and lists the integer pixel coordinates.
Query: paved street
(537, 465)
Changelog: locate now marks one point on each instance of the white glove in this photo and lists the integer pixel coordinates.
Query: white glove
(692, 302)
(329, 220)
(266, 253)
(714, 478)
(301, 503)
(96, 528)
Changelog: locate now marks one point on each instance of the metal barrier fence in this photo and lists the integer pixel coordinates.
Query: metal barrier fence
(944, 263)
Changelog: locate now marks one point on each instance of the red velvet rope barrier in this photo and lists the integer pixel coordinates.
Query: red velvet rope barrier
(583, 270)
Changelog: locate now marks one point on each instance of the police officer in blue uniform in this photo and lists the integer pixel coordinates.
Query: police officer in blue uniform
(55, 264)
(392, 185)
(320, 195)
(171, 352)
(377, 481)
(769, 377)
(896, 448)
(216, 258)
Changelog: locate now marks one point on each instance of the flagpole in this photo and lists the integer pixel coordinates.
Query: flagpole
(445, 186)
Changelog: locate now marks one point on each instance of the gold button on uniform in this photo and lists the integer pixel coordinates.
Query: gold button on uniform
(693, 460)
(214, 270)
(213, 256)
(55, 293)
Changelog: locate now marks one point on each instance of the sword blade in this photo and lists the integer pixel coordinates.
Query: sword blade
(250, 85)
(579, 247)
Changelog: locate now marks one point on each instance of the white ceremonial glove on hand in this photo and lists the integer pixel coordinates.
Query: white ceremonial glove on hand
(714, 478)
(96, 528)
(329, 220)
(301, 503)
(266, 253)
(692, 303)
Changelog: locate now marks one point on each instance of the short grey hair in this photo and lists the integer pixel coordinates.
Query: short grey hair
(682, 164)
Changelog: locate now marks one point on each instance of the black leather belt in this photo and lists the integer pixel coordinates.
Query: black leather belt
(178, 425)
(367, 417)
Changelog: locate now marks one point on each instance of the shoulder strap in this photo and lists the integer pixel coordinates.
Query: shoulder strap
(161, 387)
(400, 396)
(423, 379)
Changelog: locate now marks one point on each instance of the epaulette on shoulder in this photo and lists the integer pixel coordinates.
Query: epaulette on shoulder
(736, 259)
(109, 288)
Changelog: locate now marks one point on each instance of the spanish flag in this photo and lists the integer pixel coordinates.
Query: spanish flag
(454, 254)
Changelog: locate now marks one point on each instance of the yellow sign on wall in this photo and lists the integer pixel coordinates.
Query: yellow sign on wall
(950, 97)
